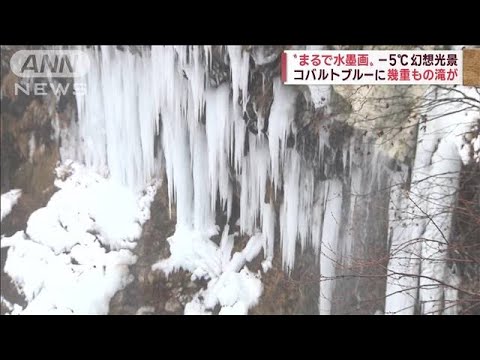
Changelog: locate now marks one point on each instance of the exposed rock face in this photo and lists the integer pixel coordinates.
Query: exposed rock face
(29, 150)
(387, 113)
(467, 235)
(151, 292)
(294, 294)
(28, 125)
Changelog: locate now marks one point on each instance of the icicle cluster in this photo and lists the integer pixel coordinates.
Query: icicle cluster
(133, 98)
(421, 225)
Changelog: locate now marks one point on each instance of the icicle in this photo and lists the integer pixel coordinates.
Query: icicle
(253, 183)
(281, 117)
(239, 143)
(317, 217)
(117, 116)
(268, 226)
(218, 140)
(239, 68)
(289, 209)
(306, 198)
(328, 257)
(421, 239)
(207, 51)
(204, 217)
(404, 253)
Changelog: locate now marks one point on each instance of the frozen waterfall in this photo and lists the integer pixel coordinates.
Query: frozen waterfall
(153, 110)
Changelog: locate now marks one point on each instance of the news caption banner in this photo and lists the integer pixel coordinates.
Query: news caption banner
(381, 67)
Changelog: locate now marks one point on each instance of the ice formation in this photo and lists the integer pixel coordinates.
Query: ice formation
(422, 216)
(153, 109)
(138, 95)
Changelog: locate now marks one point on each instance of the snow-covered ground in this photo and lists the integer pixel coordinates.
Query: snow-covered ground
(231, 284)
(74, 254)
(8, 201)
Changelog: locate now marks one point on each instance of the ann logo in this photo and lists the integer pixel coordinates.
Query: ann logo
(50, 63)
(59, 64)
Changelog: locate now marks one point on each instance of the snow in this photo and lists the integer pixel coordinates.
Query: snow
(261, 56)
(193, 251)
(13, 308)
(230, 283)
(320, 95)
(8, 201)
(74, 255)
(145, 310)
(235, 292)
(6, 303)
(253, 247)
